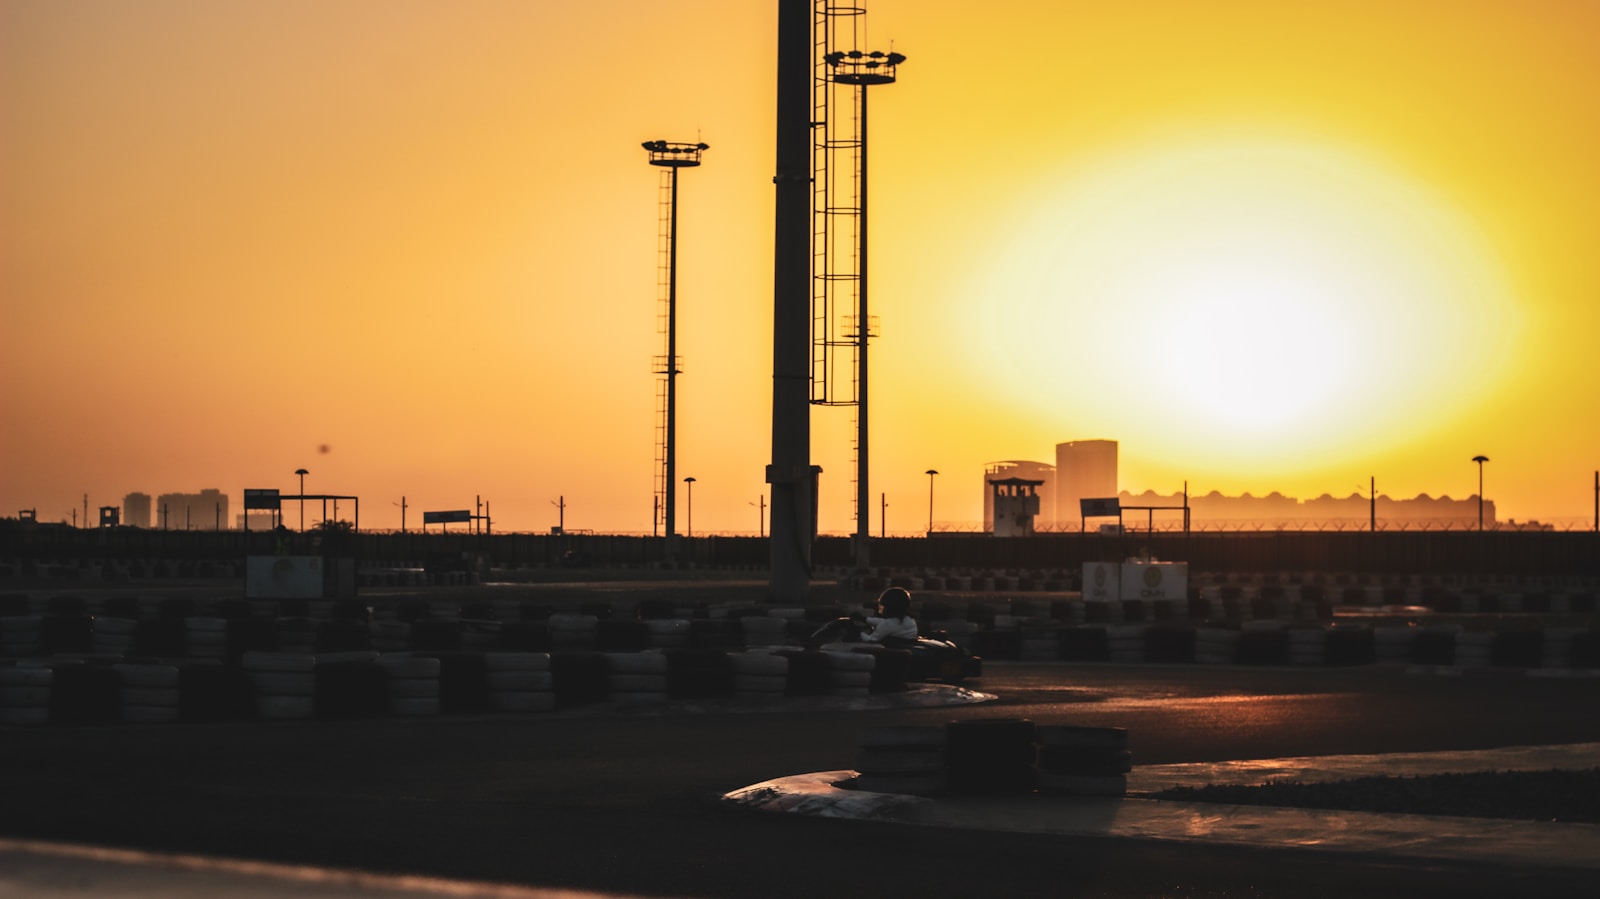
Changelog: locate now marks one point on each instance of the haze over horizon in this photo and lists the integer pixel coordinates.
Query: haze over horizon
(1266, 247)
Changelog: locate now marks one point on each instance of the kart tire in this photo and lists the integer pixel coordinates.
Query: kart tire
(902, 737)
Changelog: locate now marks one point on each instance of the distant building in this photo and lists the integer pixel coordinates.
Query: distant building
(1042, 474)
(136, 510)
(1085, 469)
(203, 511)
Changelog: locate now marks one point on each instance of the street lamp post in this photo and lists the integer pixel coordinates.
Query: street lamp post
(688, 528)
(1480, 460)
(761, 515)
(302, 473)
(930, 473)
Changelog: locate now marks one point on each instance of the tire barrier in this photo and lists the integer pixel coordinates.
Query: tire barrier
(25, 695)
(900, 759)
(519, 681)
(412, 683)
(991, 756)
(463, 681)
(285, 683)
(668, 633)
(1083, 761)
(849, 672)
(149, 692)
(638, 678)
(349, 684)
(759, 676)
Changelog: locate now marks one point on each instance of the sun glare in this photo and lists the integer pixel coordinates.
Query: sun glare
(1245, 298)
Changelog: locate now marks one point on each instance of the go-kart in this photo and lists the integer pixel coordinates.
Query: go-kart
(933, 656)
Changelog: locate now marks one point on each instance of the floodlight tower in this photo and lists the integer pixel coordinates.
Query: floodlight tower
(862, 69)
(671, 156)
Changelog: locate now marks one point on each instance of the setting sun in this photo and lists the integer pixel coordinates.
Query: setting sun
(1248, 297)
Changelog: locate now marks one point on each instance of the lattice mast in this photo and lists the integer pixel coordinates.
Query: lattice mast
(670, 156)
(840, 225)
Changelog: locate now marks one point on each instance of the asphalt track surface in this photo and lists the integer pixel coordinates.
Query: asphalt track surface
(629, 803)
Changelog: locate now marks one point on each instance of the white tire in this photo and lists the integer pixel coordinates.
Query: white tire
(20, 697)
(402, 665)
(516, 661)
(284, 683)
(31, 714)
(759, 663)
(278, 661)
(351, 655)
(26, 677)
(147, 675)
(850, 661)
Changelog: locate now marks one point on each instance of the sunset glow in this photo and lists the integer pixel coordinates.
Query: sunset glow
(1266, 246)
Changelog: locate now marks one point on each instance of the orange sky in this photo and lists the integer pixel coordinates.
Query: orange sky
(1266, 246)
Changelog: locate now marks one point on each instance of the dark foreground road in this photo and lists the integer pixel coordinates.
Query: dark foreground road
(630, 803)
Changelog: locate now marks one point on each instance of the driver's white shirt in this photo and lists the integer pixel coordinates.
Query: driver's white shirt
(902, 628)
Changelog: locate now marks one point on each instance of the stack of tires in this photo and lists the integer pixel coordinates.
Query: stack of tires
(149, 692)
(637, 678)
(569, 631)
(1215, 645)
(285, 683)
(849, 673)
(114, 636)
(520, 681)
(25, 695)
(390, 634)
(668, 633)
(763, 630)
(759, 676)
(1126, 642)
(1083, 761)
(991, 756)
(206, 638)
(1308, 646)
(900, 759)
(413, 683)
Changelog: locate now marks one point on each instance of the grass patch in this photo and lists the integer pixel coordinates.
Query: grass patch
(1569, 796)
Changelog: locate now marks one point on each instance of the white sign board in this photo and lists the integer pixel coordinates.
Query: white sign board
(1155, 580)
(283, 577)
(1100, 582)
